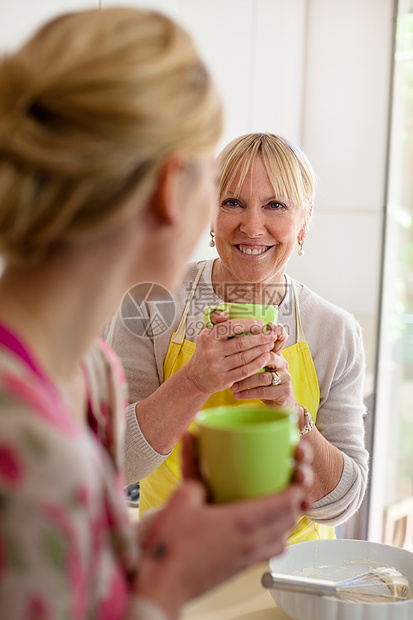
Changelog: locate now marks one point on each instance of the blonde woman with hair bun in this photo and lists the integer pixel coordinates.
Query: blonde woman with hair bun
(108, 121)
(314, 364)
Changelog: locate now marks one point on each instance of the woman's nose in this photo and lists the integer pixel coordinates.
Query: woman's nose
(253, 223)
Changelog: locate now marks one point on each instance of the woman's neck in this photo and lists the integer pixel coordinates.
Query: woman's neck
(59, 309)
(230, 290)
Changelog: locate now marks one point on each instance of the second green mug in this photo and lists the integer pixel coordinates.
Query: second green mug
(246, 451)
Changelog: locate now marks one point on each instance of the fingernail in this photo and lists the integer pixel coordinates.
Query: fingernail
(234, 387)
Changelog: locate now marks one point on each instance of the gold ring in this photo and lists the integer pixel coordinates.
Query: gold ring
(276, 378)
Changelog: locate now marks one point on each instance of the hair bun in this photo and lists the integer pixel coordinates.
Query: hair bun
(90, 108)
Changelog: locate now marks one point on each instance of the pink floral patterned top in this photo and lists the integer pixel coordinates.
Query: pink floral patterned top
(66, 544)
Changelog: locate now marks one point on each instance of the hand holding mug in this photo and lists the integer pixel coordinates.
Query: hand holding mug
(192, 546)
(220, 359)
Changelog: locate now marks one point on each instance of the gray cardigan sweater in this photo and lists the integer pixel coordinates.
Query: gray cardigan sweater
(336, 345)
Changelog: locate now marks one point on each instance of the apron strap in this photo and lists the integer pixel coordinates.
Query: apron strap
(179, 335)
(300, 331)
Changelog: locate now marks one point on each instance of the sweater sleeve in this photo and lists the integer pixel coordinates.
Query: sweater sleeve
(140, 458)
(340, 364)
(138, 357)
(63, 550)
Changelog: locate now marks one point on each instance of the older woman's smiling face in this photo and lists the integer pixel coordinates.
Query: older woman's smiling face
(256, 231)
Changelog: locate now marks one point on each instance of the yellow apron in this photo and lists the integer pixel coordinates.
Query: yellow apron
(156, 488)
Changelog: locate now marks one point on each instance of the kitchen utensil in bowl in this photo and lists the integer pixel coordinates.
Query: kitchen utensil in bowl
(335, 560)
(378, 583)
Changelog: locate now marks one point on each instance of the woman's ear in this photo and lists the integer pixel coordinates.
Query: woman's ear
(161, 208)
(161, 226)
(308, 218)
(303, 231)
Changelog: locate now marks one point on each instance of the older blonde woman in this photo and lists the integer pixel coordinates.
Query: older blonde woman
(266, 195)
(108, 120)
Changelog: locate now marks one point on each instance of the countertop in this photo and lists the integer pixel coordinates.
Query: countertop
(241, 598)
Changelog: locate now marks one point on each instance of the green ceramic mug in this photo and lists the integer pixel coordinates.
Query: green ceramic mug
(246, 451)
(266, 314)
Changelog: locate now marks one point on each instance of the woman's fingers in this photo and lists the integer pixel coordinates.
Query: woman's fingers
(218, 316)
(304, 453)
(270, 537)
(244, 356)
(221, 356)
(304, 475)
(221, 360)
(281, 339)
(197, 545)
(238, 374)
(281, 397)
(266, 379)
(163, 528)
(273, 387)
(303, 471)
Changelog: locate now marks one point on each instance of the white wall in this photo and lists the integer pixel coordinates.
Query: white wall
(345, 112)
(315, 71)
(18, 18)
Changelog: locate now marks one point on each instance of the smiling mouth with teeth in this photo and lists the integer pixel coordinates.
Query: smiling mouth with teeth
(254, 251)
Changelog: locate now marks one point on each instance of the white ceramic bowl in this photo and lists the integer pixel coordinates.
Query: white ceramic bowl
(332, 558)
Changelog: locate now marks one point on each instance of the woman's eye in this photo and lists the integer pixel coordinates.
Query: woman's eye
(276, 206)
(231, 203)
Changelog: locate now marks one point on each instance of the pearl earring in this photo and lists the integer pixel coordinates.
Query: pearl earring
(212, 241)
(301, 250)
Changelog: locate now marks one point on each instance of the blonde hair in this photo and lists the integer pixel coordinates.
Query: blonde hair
(288, 169)
(91, 107)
